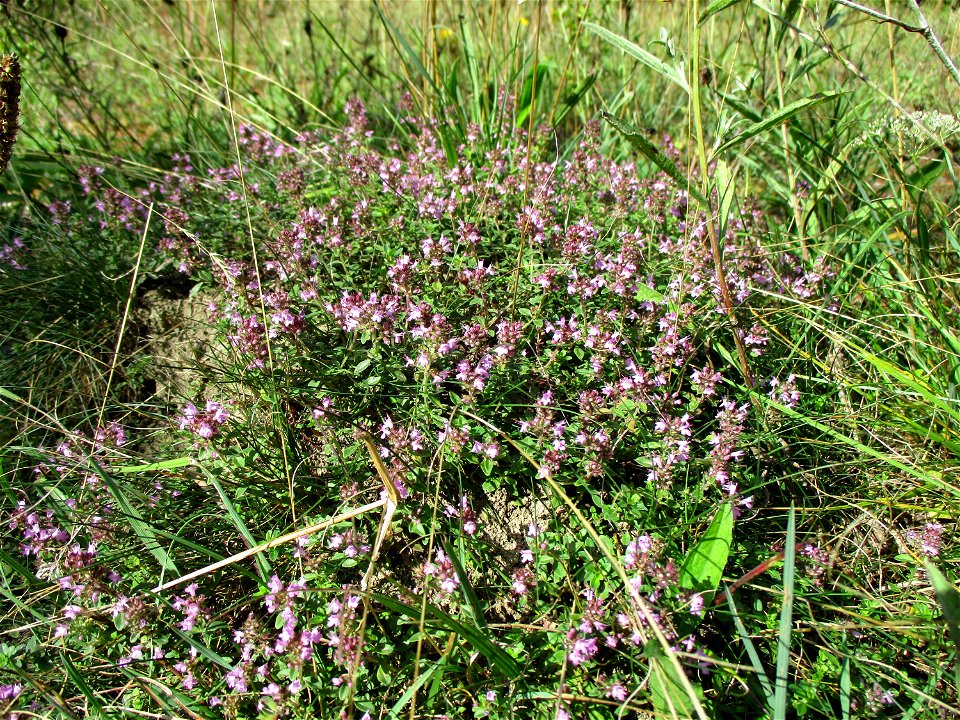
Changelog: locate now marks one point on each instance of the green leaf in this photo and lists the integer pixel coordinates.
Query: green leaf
(774, 119)
(928, 478)
(673, 74)
(171, 464)
(527, 98)
(670, 698)
(647, 294)
(924, 176)
(789, 15)
(715, 7)
(949, 600)
(703, 567)
(94, 708)
(654, 154)
(8, 561)
(262, 563)
(573, 98)
(202, 649)
(845, 687)
(408, 693)
(473, 69)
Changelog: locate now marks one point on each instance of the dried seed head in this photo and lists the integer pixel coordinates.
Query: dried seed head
(9, 106)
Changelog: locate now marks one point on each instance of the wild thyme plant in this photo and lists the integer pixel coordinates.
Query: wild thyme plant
(537, 347)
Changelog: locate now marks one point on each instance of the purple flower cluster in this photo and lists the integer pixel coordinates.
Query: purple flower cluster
(350, 543)
(205, 424)
(14, 254)
(442, 571)
(566, 307)
(342, 635)
(191, 606)
(468, 518)
(929, 538)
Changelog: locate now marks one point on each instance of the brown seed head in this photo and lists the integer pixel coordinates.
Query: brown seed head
(9, 106)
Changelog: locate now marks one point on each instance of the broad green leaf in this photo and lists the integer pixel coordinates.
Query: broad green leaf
(703, 567)
(670, 698)
(845, 687)
(645, 293)
(654, 154)
(673, 74)
(527, 98)
(949, 600)
(924, 176)
(171, 464)
(780, 116)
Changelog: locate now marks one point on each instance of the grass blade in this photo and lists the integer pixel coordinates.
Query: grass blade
(787, 19)
(751, 650)
(137, 523)
(925, 477)
(845, 690)
(494, 653)
(94, 707)
(410, 691)
(786, 621)
(262, 563)
(473, 602)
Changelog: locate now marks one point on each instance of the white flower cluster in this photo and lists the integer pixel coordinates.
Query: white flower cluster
(917, 130)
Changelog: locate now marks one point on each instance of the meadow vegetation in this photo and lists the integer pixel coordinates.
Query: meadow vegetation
(537, 360)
